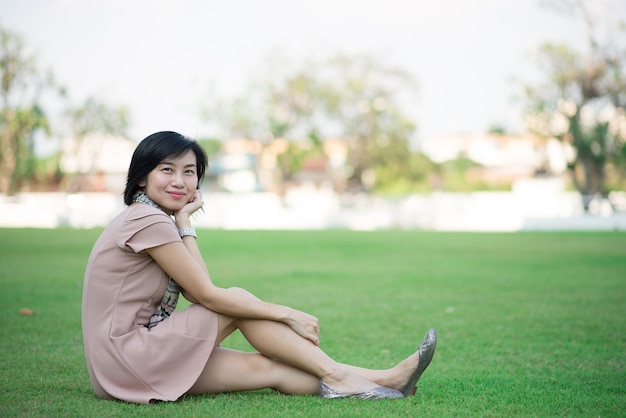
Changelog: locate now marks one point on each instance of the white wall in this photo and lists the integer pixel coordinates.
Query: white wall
(526, 208)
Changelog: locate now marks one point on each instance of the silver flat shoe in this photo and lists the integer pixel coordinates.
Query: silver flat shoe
(379, 392)
(426, 352)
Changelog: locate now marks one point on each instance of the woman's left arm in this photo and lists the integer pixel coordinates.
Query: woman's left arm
(183, 220)
(192, 247)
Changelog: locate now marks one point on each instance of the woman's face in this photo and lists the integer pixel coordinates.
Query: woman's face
(172, 182)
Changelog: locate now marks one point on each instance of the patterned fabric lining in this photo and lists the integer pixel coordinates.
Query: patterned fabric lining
(170, 299)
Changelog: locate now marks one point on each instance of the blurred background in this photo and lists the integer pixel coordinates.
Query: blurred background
(452, 115)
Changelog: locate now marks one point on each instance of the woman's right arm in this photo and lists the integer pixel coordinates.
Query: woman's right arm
(176, 260)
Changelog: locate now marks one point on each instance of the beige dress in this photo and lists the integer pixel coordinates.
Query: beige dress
(123, 288)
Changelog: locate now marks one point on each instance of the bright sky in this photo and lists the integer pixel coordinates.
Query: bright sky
(161, 58)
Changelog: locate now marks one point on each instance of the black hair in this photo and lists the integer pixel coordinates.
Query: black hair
(155, 148)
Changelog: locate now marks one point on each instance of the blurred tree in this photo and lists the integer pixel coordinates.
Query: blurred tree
(353, 98)
(91, 117)
(584, 102)
(96, 116)
(366, 101)
(295, 111)
(283, 103)
(21, 113)
(211, 146)
(497, 130)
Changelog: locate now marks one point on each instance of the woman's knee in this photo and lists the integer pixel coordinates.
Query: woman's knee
(226, 325)
(230, 370)
(258, 363)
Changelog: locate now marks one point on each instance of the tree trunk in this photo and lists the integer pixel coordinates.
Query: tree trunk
(588, 177)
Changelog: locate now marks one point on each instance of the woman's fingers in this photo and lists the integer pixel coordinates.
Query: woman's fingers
(304, 325)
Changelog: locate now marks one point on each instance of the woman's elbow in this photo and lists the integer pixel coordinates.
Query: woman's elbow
(190, 298)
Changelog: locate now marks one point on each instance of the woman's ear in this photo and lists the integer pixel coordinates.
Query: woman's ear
(142, 183)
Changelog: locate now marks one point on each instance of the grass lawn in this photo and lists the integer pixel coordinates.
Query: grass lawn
(530, 324)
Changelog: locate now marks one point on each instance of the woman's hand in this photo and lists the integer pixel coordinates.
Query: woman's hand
(182, 216)
(304, 325)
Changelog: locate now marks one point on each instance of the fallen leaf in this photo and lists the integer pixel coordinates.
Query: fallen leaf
(26, 312)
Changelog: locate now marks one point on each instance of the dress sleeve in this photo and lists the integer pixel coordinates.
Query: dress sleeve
(147, 228)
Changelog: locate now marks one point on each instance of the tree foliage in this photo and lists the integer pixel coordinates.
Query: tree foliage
(583, 102)
(355, 99)
(89, 123)
(22, 116)
(368, 104)
(94, 115)
(21, 113)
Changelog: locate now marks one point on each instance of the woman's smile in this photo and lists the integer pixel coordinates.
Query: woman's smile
(177, 195)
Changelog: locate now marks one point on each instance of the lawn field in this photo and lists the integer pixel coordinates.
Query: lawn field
(529, 324)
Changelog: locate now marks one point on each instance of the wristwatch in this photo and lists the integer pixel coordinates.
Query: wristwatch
(184, 232)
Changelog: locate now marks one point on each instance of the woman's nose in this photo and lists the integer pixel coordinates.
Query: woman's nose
(177, 179)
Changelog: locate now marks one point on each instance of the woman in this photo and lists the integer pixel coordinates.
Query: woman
(139, 349)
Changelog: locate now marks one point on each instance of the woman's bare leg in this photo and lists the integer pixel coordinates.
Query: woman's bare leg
(276, 341)
(393, 378)
(232, 371)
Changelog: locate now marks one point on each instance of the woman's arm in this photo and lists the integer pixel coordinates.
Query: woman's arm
(184, 263)
(192, 246)
(183, 220)
(178, 262)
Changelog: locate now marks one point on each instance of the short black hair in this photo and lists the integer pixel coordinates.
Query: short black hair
(155, 148)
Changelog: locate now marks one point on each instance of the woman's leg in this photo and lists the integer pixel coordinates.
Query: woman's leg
(232, 371)
(276, 341)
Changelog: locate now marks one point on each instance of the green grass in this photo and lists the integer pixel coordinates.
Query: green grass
(530, 324)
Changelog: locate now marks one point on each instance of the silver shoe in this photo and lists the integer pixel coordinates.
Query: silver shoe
(379, 392)
(426, 352)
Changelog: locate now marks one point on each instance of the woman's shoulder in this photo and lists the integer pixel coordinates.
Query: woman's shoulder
(146, 215)
(141, 226)
(139, 210)
(139, 216)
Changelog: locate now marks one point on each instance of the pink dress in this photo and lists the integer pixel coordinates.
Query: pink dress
(123, 288)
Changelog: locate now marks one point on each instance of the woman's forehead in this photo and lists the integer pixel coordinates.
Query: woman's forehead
(187, 158)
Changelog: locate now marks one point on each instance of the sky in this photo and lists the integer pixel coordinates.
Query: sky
(160, 59)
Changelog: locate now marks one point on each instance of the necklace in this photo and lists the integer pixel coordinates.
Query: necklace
(141, 197)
